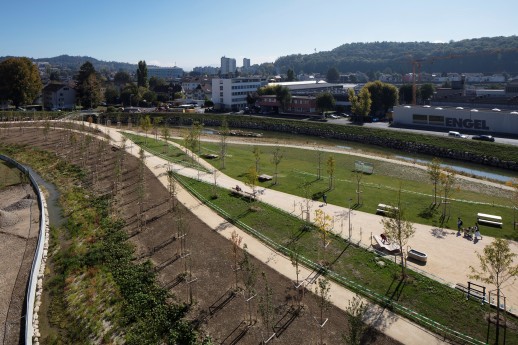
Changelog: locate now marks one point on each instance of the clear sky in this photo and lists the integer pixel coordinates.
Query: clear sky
(193, 33)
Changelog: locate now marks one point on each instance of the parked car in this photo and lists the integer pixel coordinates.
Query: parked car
(457, 134)
(483, 137)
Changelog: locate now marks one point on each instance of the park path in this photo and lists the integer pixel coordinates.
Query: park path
(384, 320)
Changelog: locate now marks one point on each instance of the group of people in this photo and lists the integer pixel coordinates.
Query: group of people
(471, 233)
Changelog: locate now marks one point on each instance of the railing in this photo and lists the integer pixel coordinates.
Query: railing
(38, 256)
(374, 296)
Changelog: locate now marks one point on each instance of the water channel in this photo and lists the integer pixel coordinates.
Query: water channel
(471, 169)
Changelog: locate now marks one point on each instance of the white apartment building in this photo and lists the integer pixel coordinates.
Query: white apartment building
(167, 73)
(230, 94)
(228, 65)
(59, 96)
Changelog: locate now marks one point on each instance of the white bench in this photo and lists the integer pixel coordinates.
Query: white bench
(489, 219)
(384, 209)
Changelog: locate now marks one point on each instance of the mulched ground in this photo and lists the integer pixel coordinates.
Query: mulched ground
(216, 311)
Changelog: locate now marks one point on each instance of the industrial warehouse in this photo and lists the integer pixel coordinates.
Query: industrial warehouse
(486, 121)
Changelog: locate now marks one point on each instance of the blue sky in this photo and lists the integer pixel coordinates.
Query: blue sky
(199, 32)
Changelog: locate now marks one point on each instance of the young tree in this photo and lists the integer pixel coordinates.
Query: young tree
(141, 187)
(251, 179)
(145, 125)
(224, 132)
(173, 188)
(257, 155)
(322, 291)
(235, 239)
(358, 175)
(249, 279)
(320, 158)
(165, 134)
(399, 229)
(434, 172)
(496, 267)
(277, 156)
(331, 171)
(156, 123)
(324, 224)
(266, 303)
(448, 181)
(356, 310)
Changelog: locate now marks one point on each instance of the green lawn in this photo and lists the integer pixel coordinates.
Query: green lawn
(299, 168)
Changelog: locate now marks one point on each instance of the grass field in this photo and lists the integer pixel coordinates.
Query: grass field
(298, 175)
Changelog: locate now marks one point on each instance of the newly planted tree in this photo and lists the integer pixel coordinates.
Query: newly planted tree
(398, 229)
(331, 171)
(277, 156)
(356, 310)
(434, 172)
(235, 239)
(224, 132)
(145, 125)
(448, 181)
(320, 158)
(322, 291)
(257, 155)
(252, 177)
(249, 280)
(266, 309)
(324, 224)
(165, 134)
(497, 268)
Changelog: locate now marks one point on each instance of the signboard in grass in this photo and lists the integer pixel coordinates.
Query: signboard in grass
(366, 168)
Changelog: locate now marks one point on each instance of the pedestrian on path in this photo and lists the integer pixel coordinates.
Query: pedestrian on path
(324, 197)
(459, 224)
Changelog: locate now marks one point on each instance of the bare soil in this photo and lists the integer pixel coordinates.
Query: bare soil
(217, 310)
(19, 229)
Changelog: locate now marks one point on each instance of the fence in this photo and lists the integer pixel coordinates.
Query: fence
(35, 278)
(438, 328)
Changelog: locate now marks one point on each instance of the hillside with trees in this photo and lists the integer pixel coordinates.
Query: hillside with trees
(485, 55)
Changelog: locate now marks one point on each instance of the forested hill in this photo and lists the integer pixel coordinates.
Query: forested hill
(73, 63)
(486, 55)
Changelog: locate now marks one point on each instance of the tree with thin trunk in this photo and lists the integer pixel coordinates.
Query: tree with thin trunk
(257, 155)
(497, 268)
(398, 229)
(324, 224)
(356, 310)
(277, 156)
(172, 188)
(434, 172)
(251, 180)
(320, 158)
(448, 181)
(156, 123)
(266, 309)
(224, 132)
(165, 134)
(235, 239)
(358, 175)
(322, 291)
(249, 280)
(331, 171)
(141, 191)
(145, 125)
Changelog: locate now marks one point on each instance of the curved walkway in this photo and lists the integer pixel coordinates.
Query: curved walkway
(387, 322)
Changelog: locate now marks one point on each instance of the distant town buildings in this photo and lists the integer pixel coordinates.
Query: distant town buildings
(246, 63)
(228, 65)
(166, 73)
(206, 70)
(230, 93)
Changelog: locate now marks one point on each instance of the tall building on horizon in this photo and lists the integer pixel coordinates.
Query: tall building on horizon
(228, 65)
(246, 63)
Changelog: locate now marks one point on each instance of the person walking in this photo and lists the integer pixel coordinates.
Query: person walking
(324, 197)
(459, 224)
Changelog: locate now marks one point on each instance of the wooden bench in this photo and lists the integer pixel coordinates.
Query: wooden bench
(242, 193)
(489, 219)
(384, 209)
